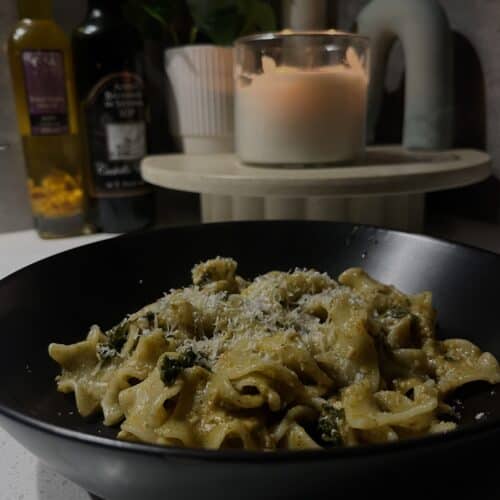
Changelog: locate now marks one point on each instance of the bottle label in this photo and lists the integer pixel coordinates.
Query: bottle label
(45, 84)
(116, 131)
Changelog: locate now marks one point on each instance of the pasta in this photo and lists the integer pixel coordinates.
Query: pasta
(291, 360)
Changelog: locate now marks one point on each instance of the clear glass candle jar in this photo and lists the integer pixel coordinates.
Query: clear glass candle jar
(301, 98)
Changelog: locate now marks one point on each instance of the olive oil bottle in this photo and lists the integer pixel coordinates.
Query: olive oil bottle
(41, 67)
(108, 55)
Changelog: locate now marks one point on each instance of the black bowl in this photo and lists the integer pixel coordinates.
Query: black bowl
(56, 300)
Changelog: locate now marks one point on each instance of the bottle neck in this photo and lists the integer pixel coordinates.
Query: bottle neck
(35, 9)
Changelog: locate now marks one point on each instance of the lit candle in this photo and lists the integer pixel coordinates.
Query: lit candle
(295, 115)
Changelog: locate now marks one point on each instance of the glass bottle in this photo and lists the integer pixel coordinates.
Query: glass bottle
(110, 83)
(41, 67)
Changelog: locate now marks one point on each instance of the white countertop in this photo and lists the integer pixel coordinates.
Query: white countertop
(22, 477)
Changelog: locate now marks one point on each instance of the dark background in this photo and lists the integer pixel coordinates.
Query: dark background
(476, 24)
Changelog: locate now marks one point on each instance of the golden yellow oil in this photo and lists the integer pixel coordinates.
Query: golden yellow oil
(54, 163)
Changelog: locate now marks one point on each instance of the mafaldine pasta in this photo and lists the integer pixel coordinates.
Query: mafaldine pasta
(291, 360)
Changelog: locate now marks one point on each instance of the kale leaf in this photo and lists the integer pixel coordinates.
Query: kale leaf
(397, 313)
(329, 423)
(171, 368)
(116, 338)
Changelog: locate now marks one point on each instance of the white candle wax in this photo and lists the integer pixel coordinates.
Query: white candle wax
(288, 115)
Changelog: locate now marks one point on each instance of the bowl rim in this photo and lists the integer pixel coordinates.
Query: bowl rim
(461, 434)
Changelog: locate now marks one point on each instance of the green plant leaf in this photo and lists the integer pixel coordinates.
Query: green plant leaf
(264, 16)
(219, 20)
(157, 14)
(189, 21)
(223, 21)
(193, 34)
(259, 17)
(158, 19)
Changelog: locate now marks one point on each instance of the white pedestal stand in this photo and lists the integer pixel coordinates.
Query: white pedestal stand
(387, 188)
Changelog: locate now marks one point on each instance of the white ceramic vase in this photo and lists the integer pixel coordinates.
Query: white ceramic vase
(200, 101)
(200, 98)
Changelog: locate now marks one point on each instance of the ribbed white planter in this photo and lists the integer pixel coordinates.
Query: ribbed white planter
(200, 98)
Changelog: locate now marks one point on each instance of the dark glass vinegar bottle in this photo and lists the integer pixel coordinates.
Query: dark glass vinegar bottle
(108, 57)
